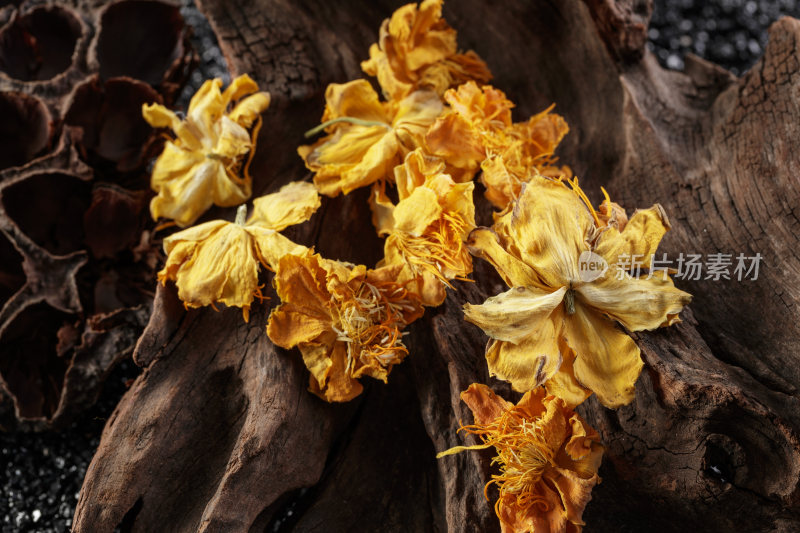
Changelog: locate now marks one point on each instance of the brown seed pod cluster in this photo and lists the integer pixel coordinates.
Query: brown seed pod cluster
(76, 263)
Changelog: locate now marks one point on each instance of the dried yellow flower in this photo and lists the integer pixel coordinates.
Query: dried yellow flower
(547, 454)
(417, 50)
(427, 228)
(207, 161)
(219, 261)
(366, 138)
(477, 131)
(529, 151)
(473, 128)
(568, 290)
(346, 320)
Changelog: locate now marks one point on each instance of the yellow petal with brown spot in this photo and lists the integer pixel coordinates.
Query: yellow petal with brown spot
(529, 363)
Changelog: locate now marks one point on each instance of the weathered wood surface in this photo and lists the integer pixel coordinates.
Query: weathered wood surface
(219, 434)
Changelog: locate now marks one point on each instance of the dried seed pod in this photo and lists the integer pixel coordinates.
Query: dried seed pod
(67, 317)
(77, 262)
(12, 276)
(26, 128)
(109, 130)
(48, 207)
(42, 50)
(114, 220)
(30, 366)
(143, 39)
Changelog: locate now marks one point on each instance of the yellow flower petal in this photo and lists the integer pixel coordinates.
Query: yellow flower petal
(180, 246)
(413, 115)
(351, 158)
(329, 377)
(249, 109)
(206, 108)
(240, 87)
(486, 406)
(207, 163)
(355, 99)
(637, 303)
(417, 49)
(272, 246)
(550, 225)
(159, 116)
(197, 233)
(639, 239)
(512, 316)
(582, 446)
(382, 209)
(608, 361)
(502, 185)
(484, 243)
(414, 172)
(233, 140)
(414, 214)
(293, 204)
(543, 132)
(222, 268)
(345, 319)
(366, 139)
(532, 361)
(456, 141)
(574, 494)
(318, 358)
(188, 186)
(303, 316)
(563, 383)
(542, 487)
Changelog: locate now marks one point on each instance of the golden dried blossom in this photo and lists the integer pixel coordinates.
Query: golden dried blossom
(346, 320)
(529, 151)
(417, 49)
(206, 163)
(557, 325)
(426, 230)
(547, 454)
(218, 261)
(366, 138)
(473, 128)
(477, 131)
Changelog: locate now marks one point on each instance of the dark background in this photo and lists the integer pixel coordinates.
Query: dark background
(41, 474)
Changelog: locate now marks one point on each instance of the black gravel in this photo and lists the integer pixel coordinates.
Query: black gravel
(41, 474)
(731, 33)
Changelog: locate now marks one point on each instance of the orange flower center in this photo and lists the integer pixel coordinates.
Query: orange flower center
(523, 457)
(370, 323)
(440, 251)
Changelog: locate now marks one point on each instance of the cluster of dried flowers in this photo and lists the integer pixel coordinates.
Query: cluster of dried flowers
(554, 334)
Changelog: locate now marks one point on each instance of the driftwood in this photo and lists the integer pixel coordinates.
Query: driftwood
(219, 434)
